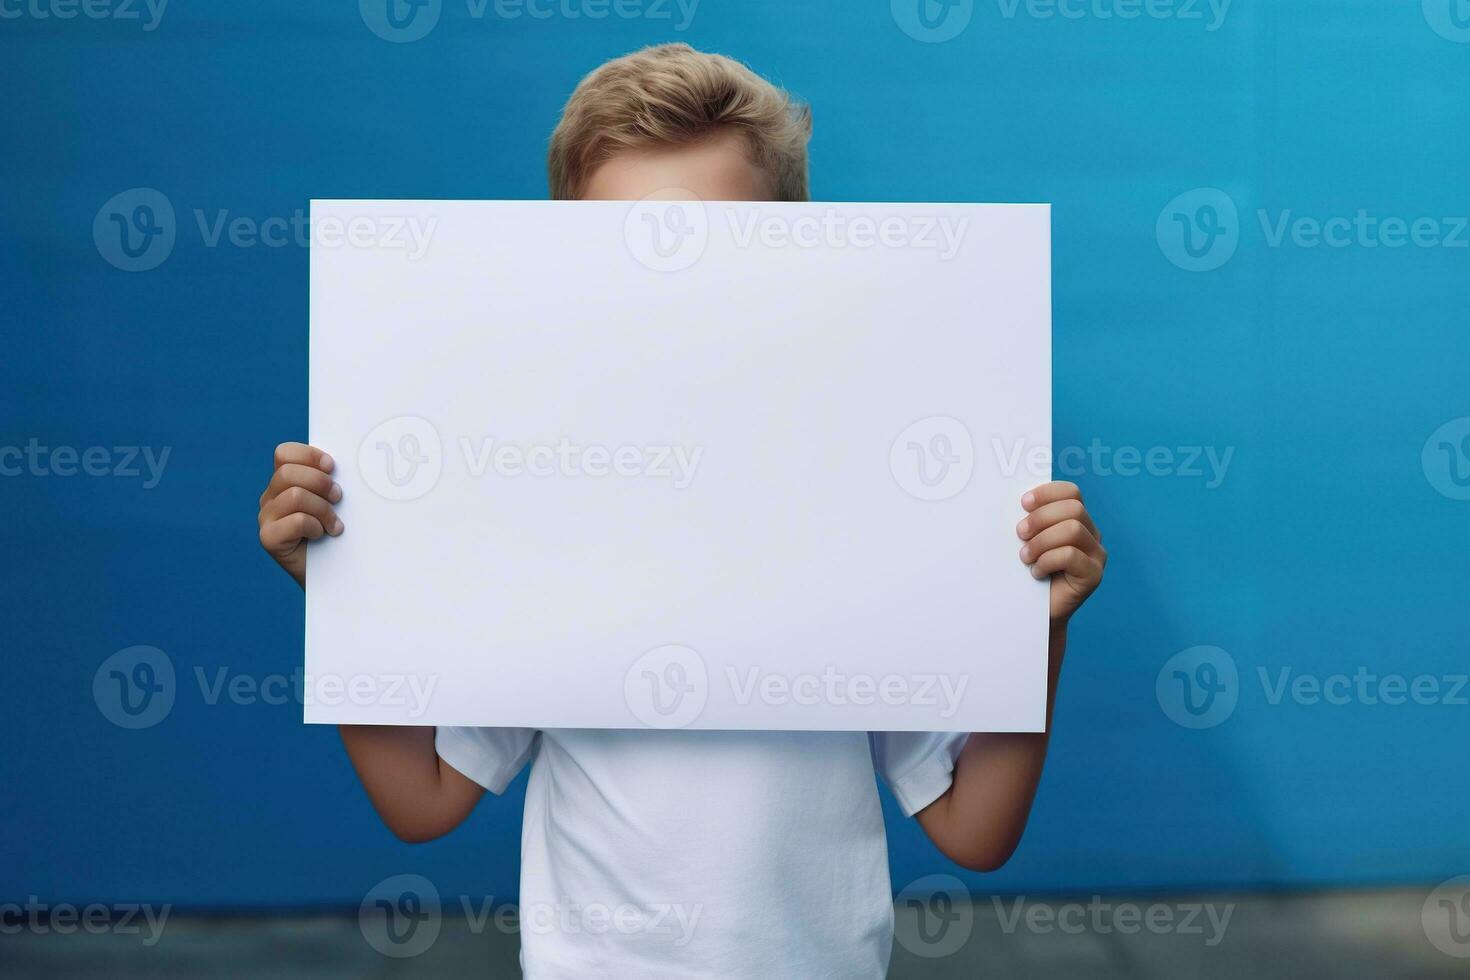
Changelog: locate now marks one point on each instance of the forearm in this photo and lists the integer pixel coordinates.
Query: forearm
(416, 794)
(979, 820)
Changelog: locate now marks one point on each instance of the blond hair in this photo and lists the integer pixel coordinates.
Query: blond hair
(673, 95)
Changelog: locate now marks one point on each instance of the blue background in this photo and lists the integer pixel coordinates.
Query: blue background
(1327, 547)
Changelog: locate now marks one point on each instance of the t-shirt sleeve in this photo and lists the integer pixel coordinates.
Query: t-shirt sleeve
(489, 756)
(917, 766)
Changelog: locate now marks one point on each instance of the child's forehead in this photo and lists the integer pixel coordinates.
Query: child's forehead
(716, 169)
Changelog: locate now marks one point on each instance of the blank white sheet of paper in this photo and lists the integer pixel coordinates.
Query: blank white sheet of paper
(679, 464)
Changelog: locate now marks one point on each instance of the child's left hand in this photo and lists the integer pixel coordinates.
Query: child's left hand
(1062, 542)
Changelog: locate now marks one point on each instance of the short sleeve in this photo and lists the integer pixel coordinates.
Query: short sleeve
(917, 766)
(489, 756)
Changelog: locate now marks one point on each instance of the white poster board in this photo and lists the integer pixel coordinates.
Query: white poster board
(679, 464)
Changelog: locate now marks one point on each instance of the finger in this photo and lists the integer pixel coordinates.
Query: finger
(1069, 532)
(298, 500)
(1051, 514)
(1069, 559)
(306, 477)
(300, 452)
(282, 535)
(1050, 493)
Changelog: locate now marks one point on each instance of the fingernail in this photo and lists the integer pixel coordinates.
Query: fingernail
(335, 494)
(337, 527)
(1026, 554)
(1028, 499)
(327, 463)
(1022, 528)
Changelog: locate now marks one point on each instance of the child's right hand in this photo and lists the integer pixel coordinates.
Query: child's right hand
(297, 506)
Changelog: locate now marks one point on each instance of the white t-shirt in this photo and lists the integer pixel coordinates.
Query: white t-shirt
(656, 854)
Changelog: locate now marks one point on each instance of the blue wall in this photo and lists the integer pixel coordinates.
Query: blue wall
(1332, 543)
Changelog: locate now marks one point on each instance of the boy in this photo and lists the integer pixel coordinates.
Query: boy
(768, 846)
